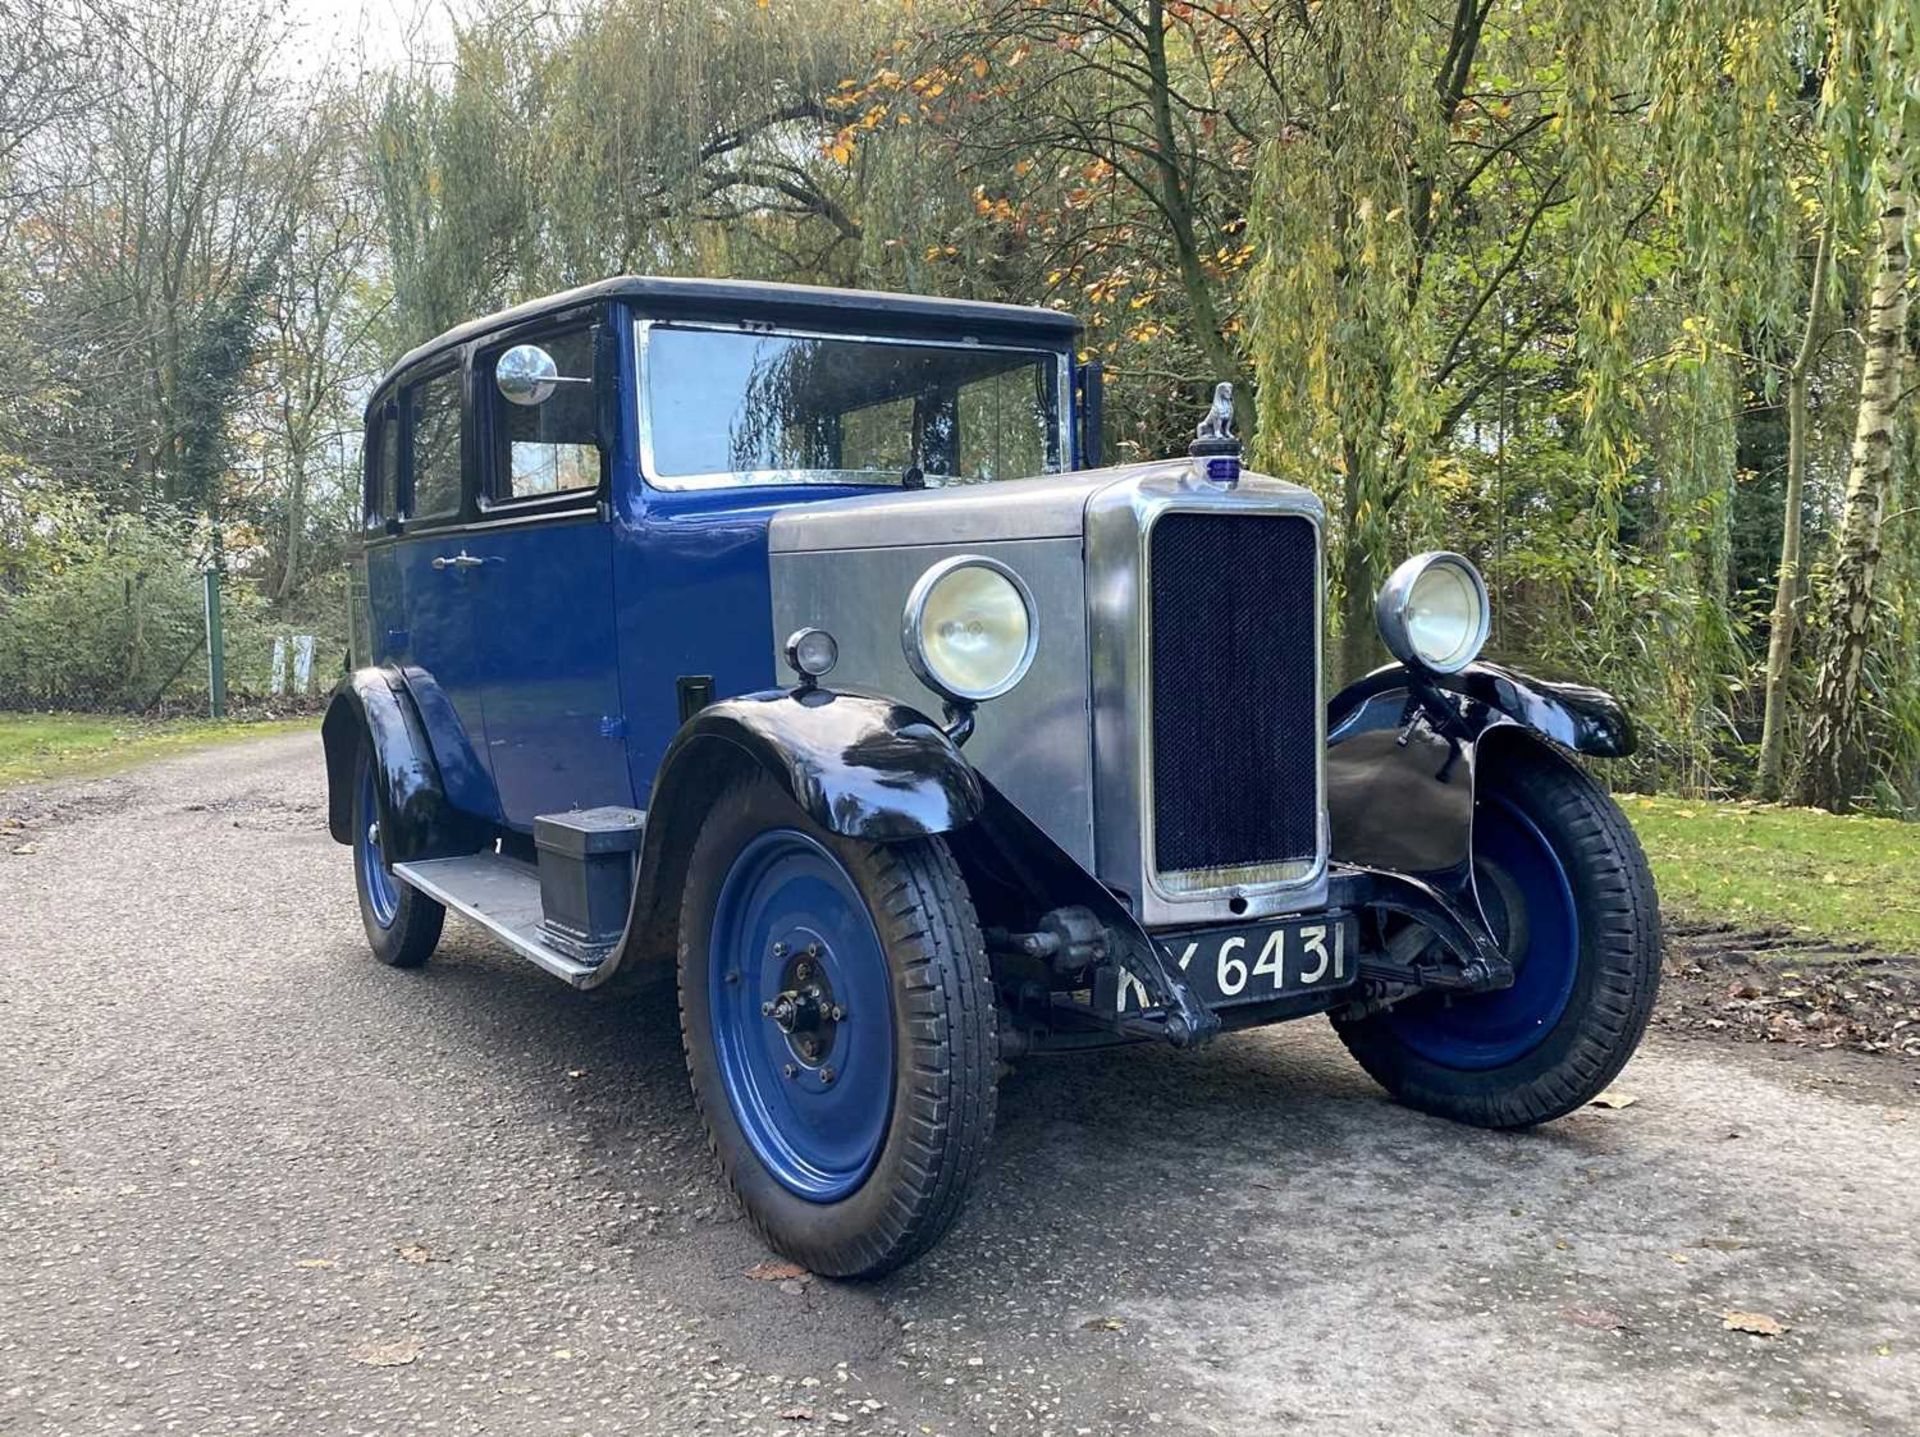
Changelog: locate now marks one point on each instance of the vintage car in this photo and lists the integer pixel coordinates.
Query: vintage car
(798, 637)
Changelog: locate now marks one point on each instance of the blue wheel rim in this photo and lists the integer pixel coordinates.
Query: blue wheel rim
(814, 1099)
(376, 880)
(1489, 1030)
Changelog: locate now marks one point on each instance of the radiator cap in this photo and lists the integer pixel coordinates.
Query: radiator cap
(1214, 441)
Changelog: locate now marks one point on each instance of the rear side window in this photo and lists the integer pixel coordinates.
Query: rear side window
(551, 446)
(383, 468)
(434, 412)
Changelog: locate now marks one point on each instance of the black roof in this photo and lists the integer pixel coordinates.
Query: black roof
(776, 303)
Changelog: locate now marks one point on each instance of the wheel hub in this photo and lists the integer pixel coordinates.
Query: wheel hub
(805, 1010)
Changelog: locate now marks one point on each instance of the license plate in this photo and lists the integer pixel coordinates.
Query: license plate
(1252, 964)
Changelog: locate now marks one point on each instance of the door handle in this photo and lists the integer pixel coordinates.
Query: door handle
(461, 560)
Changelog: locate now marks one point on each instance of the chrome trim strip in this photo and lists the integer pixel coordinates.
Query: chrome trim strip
(588, 513)
(1120, 520)
(741, 479)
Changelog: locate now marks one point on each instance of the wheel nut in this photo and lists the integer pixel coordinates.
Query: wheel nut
(813, 950)
(779, 950)
(802, 973)
(837, 1013)
(792, 1070)
(827, 1075)
(766, 1010)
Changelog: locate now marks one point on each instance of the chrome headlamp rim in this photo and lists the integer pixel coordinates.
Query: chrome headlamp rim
(917, 598)
(1396, 595)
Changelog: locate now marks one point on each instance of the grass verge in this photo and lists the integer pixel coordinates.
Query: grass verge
(37, 747)
(1848, 879)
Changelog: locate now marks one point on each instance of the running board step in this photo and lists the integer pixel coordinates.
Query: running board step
(502, 895)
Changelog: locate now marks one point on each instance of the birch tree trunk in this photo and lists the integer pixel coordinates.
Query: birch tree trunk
(1833, 763)
(1771, 779)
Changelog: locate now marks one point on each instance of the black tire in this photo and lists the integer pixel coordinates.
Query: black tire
(945, 1044)
(412, 932)
(1615, 979)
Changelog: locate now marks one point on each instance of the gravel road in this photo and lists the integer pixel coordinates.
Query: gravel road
(251, 1181)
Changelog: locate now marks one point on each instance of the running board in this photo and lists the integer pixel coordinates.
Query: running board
(502, 895)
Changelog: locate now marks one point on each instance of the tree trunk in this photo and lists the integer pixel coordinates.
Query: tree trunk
(1833, 764)
(1771, 778)
(1178, 205)
(296, 521)
(1360, 648)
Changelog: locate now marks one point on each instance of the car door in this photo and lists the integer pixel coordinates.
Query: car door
(429, 566)
(542, 594)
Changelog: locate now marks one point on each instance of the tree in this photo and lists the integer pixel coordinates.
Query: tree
(1770, 778)
(1834, 759)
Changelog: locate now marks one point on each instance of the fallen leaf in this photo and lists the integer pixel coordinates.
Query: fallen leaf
(397, 1353)
(1611, 1099)
(1601, 1319)
(562, 1353)
(415, 1252)
(1757, 1323)
(317, 1262)
(1680, 1257)
(1104, 1324)
(777, 1272)
(24, 849)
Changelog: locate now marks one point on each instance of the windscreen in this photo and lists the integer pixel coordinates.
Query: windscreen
(734, 407)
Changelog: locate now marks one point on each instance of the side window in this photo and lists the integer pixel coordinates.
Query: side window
(434, 412)
(382, 467)
(546, 441)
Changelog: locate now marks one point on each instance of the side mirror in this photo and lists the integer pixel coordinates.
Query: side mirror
(526, 374)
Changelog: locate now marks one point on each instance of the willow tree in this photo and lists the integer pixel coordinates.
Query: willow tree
(668, 138)
(1398, 210)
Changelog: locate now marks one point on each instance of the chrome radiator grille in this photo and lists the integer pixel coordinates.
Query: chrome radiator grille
(1233, 667)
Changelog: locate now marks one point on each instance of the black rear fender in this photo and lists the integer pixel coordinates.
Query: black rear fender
(372, 706)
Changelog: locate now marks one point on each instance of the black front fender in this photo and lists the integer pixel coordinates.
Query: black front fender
(372, 706)
(862, 767)
(1404, 748)
(859, 766)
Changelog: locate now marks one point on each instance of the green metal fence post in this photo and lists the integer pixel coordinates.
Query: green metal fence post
(216, 649)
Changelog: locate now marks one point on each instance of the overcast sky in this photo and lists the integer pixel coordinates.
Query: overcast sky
(383, 32)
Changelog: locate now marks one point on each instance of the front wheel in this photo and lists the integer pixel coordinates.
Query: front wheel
(1568, 894)
(837, 1012)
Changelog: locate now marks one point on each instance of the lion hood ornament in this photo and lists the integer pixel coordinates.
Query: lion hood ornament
(1214, 440)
